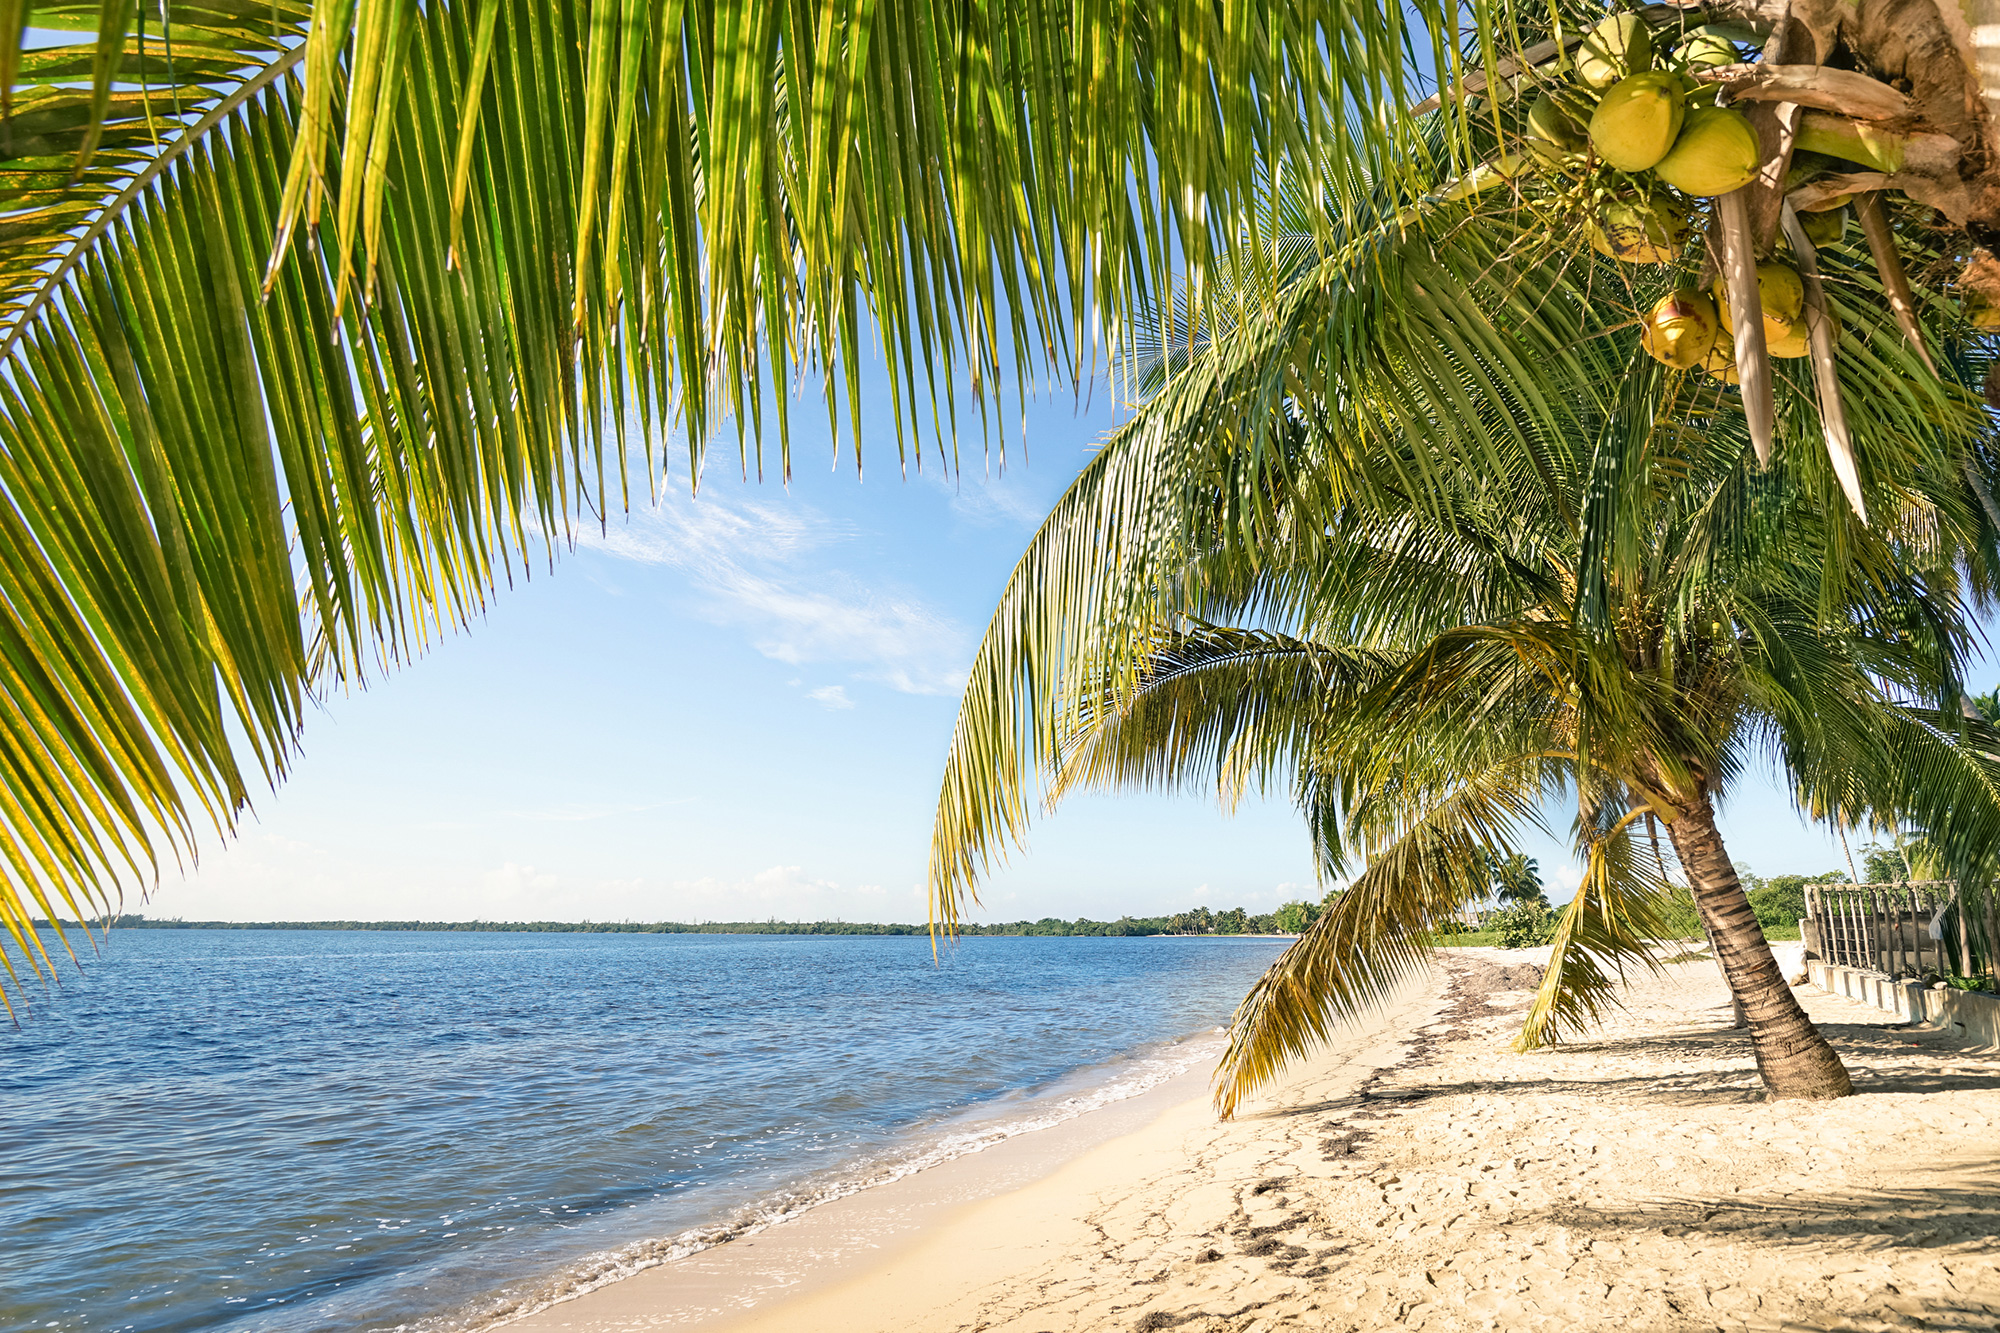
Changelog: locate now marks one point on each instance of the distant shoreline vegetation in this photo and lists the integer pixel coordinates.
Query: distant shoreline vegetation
(1287, 920)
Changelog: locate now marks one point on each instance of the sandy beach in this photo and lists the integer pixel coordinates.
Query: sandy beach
(1420, 1174)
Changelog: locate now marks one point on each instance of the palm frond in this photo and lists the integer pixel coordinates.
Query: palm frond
(1377, 932)
(1614, 920)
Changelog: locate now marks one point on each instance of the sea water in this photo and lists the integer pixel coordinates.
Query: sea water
(307, 1130)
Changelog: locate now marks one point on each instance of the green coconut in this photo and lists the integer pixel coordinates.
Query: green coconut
(1706, 48)
(1716, 152)
(1779, 291)
(1553, 134)
(1622, 44)
(1824, 227)
(1680, 329)
(1636, 123)
(1652, 232)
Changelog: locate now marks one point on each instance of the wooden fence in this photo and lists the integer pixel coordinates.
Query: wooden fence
(1886, 928)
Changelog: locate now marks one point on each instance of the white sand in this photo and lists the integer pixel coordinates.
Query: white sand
(1636, 1180)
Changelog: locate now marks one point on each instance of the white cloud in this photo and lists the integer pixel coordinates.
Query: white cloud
(749, 560)
(831, 696)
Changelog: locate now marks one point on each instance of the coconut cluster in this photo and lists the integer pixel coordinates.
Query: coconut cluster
(1628, 103)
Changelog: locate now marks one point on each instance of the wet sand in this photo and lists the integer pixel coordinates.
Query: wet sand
(1420, 1174)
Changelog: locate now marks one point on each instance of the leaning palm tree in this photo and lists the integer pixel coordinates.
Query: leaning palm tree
(1427, 563)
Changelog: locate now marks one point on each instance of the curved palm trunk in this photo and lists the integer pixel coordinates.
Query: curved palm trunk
(1792, 1056)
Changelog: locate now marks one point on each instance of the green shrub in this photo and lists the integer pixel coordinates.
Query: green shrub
(1524, 926)
(1780, 902)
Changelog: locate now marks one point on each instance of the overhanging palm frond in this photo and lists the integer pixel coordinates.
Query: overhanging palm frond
(217, 504)
(89, 123)
(318, 319)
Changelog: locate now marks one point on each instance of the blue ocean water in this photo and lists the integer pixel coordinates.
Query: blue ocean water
(297, 1130)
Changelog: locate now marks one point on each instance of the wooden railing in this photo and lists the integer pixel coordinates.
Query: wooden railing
(1886, 928)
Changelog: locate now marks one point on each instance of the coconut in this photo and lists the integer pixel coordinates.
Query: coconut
(1795, 342)
(1721, 360)
(1650, 232)
(1715, 153)
(1680, 329)
(1779, 291)
(1706, 48)
(1620, 45)
(1635, 124)
(1553, 133)
(1824, 228)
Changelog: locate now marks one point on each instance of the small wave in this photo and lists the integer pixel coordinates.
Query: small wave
(973, 1131)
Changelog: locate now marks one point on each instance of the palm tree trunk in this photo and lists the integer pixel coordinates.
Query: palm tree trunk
(1792, 1057)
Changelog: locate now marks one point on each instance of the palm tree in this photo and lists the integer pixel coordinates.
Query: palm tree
(1518, 879)
(1360, 552)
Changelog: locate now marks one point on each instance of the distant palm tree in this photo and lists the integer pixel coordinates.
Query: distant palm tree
(1517, 879)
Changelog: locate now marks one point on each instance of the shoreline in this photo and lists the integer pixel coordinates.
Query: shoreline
(864, 1250)
(1432, 1178)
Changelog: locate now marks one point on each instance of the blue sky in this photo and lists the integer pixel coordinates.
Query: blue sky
(736, 707)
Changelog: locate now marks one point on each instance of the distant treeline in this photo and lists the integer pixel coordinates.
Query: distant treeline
(1289, 919)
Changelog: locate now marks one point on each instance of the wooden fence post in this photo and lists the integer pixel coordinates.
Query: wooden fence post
(1919, 930)
(1964, 935)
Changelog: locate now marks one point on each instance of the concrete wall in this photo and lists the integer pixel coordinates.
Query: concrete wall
(1970, 1015)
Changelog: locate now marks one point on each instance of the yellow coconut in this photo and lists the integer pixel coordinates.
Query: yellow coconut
(1778, 291)
(1680, 329)
(1653, 232)
(1824, 228)
(1620, 45)
(1981, 312)
(1705, 48)
(1715, 153)
(1796, 341)
(1830, 203)
(1553, 134)
(1721, 359)
(1635, 124)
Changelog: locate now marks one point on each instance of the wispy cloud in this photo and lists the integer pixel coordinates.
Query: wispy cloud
(831, 696)
(766, 568)
(997, 501)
